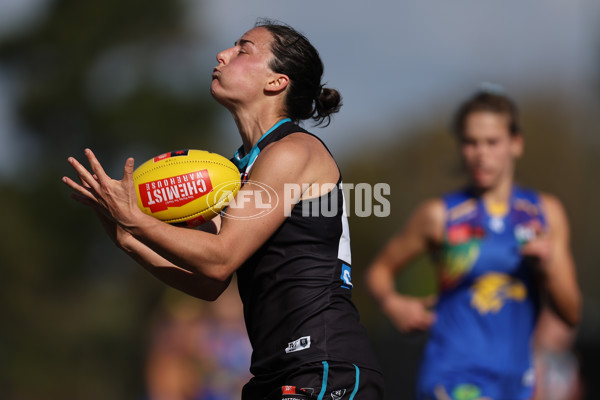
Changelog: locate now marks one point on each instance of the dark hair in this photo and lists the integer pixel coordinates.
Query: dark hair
(295, 57)
(490, 100)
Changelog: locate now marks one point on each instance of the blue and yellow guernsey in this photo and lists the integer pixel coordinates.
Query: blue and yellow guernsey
(480, 344)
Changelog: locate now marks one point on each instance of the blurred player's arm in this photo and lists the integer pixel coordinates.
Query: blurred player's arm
(556, 262)
(423, 230)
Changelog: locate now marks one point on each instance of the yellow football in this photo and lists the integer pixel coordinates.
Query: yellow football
(186, 187)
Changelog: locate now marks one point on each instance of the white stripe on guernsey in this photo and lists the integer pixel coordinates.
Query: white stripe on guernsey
(249, 167)
(344, 246)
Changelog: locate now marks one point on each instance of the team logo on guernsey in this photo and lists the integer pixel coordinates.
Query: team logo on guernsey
(297, 345)
(346, 277)
(491, 291)
(461, 251)
(528, 230)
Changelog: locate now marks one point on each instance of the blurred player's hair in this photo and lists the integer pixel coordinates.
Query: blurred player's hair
(489, 98)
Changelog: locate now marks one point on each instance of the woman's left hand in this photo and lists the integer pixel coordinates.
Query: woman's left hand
(116, 199)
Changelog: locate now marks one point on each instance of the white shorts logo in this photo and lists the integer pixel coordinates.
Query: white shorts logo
(300, 344)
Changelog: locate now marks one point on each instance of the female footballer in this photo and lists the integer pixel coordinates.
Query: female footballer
(498, 247)
(293, 269)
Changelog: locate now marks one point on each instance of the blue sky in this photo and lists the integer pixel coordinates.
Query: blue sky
(395, 62)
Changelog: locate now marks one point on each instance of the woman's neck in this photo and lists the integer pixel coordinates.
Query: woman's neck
(251, 128)
(497, 198)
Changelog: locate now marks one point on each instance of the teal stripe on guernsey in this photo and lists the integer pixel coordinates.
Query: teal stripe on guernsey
(324, 386)
(356, 382)
(248, 159)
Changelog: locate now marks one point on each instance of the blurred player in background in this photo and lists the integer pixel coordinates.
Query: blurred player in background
(498, 248)
(556, 363)
(197, 350)
(293, 268)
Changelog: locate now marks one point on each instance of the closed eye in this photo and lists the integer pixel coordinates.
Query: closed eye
(243, 45)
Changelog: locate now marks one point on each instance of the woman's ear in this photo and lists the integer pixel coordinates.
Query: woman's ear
(277, 83)
(517, 144)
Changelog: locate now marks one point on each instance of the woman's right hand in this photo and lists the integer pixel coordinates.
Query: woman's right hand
(116, 233)
(409, 314)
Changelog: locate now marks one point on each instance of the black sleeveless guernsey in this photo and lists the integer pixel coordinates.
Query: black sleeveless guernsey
(296, 289)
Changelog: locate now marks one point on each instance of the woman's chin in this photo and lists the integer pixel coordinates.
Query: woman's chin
(481, 184)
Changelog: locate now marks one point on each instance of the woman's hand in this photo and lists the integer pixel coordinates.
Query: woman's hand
(116, 200)
(116, 233)
(409, 314)
(539, 250)
(551, 252)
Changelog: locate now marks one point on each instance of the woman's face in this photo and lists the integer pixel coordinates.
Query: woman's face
(488, 149)
(243, 70)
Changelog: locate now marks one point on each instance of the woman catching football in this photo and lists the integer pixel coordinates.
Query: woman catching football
(293, 267)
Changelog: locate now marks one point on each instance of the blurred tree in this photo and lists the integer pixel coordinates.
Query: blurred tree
(98, 74)
(116, 76)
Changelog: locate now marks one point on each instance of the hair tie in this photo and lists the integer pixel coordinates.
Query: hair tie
(320, 91)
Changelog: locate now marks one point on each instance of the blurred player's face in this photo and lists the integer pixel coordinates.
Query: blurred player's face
(243, 70)
(488, 149)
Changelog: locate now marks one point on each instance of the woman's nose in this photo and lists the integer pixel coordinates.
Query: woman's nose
(223, 56)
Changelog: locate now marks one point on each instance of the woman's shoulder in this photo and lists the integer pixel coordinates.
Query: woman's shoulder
(299, 158)
(550, 203)
(297, 147)
(551, 206)
(429, 218)
(549, 200)
(553, 209)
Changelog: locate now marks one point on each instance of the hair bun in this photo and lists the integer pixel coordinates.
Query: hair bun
(328, 102)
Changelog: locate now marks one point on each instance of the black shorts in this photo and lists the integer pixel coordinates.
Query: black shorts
(319, 380)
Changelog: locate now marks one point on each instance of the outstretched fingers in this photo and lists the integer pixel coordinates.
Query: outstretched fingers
(89, 182)
(87, 179)
(95, 165)
(82, 190)
(114, 199)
